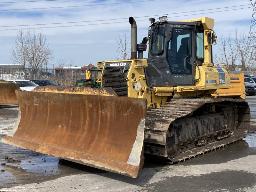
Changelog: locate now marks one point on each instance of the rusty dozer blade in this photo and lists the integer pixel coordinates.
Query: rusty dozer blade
(106, 132)
(7, 93)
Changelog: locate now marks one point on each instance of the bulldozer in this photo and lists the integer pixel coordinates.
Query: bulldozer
(174, 105)
(7, 93)
(92, 78)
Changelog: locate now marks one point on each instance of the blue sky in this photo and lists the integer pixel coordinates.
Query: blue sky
(91, 43)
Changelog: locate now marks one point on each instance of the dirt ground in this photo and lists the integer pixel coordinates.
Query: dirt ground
(232, 168)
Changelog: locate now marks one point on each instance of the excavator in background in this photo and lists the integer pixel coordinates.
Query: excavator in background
(173, 105)
(7, 93)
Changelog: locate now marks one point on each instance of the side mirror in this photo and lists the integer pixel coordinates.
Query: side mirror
(212, 37)
(145, 40)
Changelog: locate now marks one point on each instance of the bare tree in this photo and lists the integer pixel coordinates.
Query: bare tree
(122, 47)
(252, 33)
(20, 51)
(239, 50)
(253, 3)
(227, 53)
(31, 50)
(246, 51)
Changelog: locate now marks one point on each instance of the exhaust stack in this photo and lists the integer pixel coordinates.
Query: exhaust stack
(133, 38)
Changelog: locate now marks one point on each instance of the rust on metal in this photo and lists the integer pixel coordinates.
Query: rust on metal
(105, 132)
(7, 93)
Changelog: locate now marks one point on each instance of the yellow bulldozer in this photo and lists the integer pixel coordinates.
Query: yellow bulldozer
(173, 105)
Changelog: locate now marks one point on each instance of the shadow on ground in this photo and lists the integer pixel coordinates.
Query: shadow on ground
(220, 181)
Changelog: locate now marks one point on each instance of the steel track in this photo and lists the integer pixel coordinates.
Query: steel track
(185, 128)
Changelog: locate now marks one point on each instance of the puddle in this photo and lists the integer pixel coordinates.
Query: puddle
(41, 165)
(18, 166)
(251, 140)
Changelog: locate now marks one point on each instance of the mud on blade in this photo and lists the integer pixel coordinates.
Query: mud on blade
(105, 132)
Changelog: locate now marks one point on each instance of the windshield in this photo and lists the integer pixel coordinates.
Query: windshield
(179, 51)
(43, 82)
(25, 84)
(157, 41)
(248, 80)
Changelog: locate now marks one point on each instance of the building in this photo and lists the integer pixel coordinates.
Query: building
(11, 71)
(72, 73)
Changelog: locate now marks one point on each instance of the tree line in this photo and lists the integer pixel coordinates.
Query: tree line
(237, 50)
(240, 49)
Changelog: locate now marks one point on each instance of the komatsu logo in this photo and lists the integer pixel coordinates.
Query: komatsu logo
(117, 64)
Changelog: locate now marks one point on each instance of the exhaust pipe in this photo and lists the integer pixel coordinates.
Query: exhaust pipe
(142, 47)
(133, 38)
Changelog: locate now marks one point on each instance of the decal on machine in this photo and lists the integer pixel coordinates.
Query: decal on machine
(222, 78)
(117, 64)
(211, 81)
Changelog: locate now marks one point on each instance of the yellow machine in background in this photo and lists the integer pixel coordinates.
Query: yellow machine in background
(92, 78)
(88, 75)
(174, 105)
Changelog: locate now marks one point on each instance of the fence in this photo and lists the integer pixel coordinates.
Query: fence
(62, 76)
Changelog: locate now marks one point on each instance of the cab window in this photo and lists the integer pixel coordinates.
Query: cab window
(179, 51)
(200, 46)
(157, 41)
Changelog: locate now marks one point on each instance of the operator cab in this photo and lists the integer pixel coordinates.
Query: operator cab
(175, 48)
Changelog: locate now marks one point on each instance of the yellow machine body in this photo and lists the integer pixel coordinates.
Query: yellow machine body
(207, 83)
(210, 80)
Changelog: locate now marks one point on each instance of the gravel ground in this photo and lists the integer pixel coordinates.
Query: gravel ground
(229, 169)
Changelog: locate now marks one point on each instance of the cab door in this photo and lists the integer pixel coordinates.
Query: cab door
(181, 56)
(172, 55)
